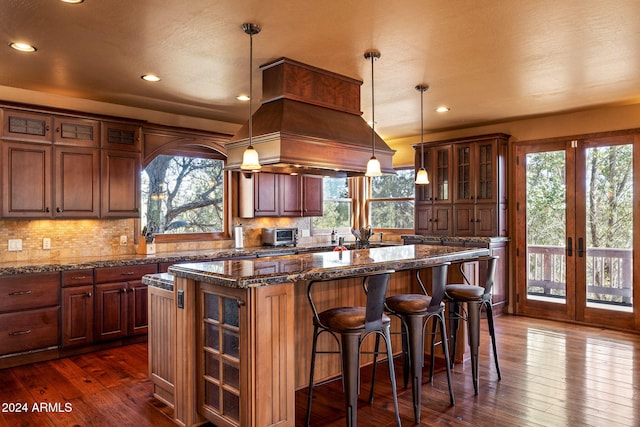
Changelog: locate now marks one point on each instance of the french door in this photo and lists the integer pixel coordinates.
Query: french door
(577, 230)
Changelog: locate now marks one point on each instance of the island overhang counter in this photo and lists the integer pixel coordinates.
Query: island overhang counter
(230, 340)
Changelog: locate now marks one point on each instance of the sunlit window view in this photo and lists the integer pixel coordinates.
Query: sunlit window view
(337, 205)
(183, 195)
(392, 200)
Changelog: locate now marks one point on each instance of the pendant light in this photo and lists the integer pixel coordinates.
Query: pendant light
(373, 166)
(250, 159)
(422, 177)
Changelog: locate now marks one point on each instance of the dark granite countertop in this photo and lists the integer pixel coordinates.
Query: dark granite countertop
(81, 263)
(159, 280)
(246, 273)
(466, 240)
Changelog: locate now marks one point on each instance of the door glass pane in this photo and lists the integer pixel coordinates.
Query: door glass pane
(609, 233)
(546, 226)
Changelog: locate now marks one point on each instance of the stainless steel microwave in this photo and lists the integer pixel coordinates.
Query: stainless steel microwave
(279, 236)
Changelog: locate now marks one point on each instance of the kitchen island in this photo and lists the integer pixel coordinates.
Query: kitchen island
(237, 333)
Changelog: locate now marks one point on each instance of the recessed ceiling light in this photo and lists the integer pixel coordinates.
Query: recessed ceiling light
(72, 1)
(22, 47)
(243, 97)
(150, 77)
(443, 109)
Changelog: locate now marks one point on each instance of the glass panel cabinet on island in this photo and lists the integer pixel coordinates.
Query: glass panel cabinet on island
(466, 195)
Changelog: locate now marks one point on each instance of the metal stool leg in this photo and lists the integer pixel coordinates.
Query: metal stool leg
(350, 375)
(473, 323)
(415, 336)
(313, 364)
(387, 339)
(492, 334)
(454, 318)
(445, 349)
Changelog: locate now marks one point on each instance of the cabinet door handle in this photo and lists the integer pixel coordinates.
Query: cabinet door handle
(58, 130)
(47, 209)
(580, 247)
(58, 210)
(123, 290)
(17, 333)
(470, 219)
(17, 293)
(88, 294)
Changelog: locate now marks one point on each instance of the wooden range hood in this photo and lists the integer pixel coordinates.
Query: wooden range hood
(309, 122)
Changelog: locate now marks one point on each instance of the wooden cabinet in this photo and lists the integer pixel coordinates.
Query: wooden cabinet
(120, 184)
(26, 126)
(267, 194)
(29, 312)
(121, 136)
(433, 215)
(121, 301)
(467, 193)
(29, 182)
(77, 132)
(313, 197)
(77, 182)
(77, 312)
(26, 174)
(77, 307)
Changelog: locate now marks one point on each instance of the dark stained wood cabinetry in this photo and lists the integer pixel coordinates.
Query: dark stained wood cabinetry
(267, 194)
(77, 182)
(26, 174)
(467, 193)
(53, 167)
(120, 184)
(433, 214)
(121, 301)
(77, 308)
(29, 313)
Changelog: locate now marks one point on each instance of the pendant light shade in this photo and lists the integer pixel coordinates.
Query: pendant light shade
(373, 166)
(422, 177)
(250, 158)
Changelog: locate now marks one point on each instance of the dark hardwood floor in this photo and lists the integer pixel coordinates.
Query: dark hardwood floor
(553, 374)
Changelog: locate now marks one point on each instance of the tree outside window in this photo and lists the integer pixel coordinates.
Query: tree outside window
(337, 205)
(182, 194)
(392, 199)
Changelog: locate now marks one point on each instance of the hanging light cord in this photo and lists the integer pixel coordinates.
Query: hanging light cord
(250, 89)
(373, 110)
(420, 88)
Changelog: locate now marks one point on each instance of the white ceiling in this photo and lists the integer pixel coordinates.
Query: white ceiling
(488, 60)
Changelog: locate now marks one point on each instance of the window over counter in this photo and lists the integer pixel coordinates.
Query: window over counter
(391, 201)
(183, 194)
(337, 203)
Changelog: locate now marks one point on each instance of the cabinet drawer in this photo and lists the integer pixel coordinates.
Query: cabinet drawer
(124, 274)
(29, 330)
(28, 291)
(77, 277)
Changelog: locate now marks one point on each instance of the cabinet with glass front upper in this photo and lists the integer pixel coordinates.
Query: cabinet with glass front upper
(468, 176)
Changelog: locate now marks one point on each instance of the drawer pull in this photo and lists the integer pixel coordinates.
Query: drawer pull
(17, 333)
(128, 273)
(79, 277)
(16, 293)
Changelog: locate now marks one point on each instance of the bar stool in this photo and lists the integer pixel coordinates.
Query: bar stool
(415, 311)
(476, 297)
(349, 326)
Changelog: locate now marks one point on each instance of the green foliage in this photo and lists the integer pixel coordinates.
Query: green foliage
(393, 213)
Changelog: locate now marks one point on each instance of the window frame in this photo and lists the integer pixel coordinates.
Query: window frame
(317, 231)
(371, 200)
(189, 144)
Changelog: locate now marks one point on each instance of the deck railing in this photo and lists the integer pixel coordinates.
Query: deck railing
(609, 274)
